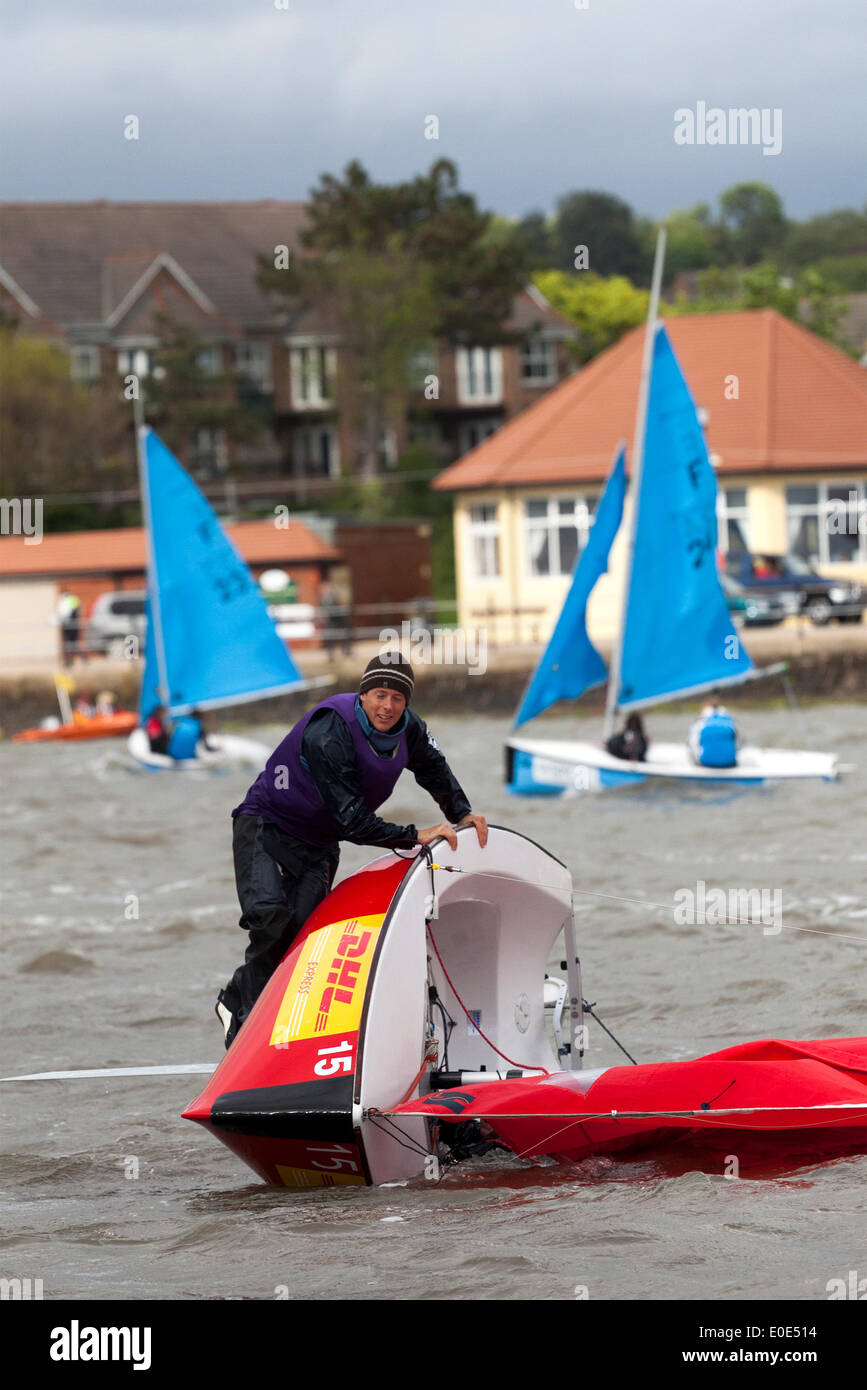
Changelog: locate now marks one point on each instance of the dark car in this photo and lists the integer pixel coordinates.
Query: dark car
(800, 586)
(752, 609)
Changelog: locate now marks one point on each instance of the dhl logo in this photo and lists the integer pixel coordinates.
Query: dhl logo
(326, 988)
(343, 976)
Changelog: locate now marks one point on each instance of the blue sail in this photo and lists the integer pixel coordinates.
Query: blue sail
(210, 640)
(678, 635)
(570, 663)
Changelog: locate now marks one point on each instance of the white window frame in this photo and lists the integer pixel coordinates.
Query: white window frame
(549, 526)
(135, 361)
(312, 367)
(823, 509)
(539, 351)
(253, 362)
(483, 535)
(739, 513)
(483, 427)
(306, 446)
(479, 375)
(84, 362)
(422, 364)
(209, 360)
(211, 439)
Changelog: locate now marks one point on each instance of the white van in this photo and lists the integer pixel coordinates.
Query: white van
(115, 617)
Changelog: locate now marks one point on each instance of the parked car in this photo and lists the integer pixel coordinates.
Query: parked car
(114, 618)
(795, 581)
(752, 609)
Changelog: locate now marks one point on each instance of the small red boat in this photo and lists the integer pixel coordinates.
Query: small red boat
(797, 1094)
(82, 726)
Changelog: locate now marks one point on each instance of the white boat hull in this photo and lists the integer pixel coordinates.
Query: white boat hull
(229, 750)
(545, 767)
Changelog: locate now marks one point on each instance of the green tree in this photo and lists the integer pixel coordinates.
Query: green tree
(847, 274)
(820, 308)
(690, 240)
(58, 436)
(475, 272)
(753, 215)
(763, 287)
(607, 227)
(601, 309)
(842, 234)
(537, 234)
(392, 269)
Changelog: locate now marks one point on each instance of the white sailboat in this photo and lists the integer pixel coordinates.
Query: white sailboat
(675, 636)
(210, 642)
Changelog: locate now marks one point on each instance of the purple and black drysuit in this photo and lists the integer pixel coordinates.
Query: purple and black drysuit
(322, 784)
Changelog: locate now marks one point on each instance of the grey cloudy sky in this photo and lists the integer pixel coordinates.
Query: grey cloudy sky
(240, 99)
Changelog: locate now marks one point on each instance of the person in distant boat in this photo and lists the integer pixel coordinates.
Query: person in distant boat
(106, 703)
(84, 707)
(323, 784)
(713, 738)
(187, 734)
(156, 730)
(631, 742)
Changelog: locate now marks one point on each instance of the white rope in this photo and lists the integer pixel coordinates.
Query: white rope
(627, 1114)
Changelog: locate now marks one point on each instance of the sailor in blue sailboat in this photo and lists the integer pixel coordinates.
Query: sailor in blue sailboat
(713, 738)
(675, 638)
(210, 640)
(324, 784)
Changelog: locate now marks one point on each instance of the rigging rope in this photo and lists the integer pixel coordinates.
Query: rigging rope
(524, 1066)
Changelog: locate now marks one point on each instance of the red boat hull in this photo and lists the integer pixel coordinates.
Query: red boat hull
(795, 1093)
(96, 726)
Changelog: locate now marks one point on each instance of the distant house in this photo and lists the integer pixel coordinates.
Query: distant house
(786, 425)
(90, 563)
(92, 277)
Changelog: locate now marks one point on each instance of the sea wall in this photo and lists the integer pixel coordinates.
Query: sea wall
(823, 664)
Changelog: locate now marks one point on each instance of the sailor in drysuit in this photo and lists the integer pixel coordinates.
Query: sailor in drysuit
(321, 785)
(187, 734)
(713, 738)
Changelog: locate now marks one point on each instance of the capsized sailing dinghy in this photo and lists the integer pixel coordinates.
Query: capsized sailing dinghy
(675, 636)
(415, 998)
(210, 641)
(360, 1014)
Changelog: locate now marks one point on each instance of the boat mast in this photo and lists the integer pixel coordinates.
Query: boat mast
(164, 690)
(637, 464)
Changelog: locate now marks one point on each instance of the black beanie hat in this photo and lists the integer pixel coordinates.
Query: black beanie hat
(388, 671)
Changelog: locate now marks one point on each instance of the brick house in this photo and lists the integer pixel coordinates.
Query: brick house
(92, 276)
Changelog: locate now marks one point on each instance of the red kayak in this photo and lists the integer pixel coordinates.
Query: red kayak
(83, 726)
(789, 1092)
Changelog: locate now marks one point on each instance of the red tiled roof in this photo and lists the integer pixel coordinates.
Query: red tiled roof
(81, 552)
(802, 404)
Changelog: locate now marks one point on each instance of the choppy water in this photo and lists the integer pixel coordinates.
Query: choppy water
(88, 983)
